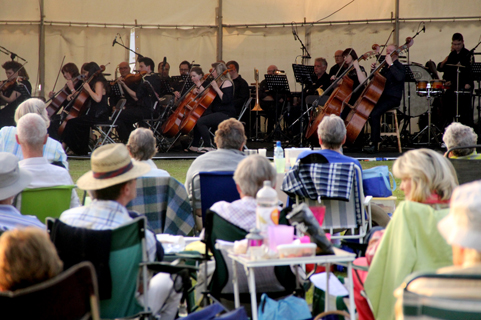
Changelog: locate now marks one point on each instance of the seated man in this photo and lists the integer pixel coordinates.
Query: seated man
(112, 184)
(460, 135)
(249, 178)
(230, 140)
(31, 136)
(142, 148)
(12, 181)
(27, 257)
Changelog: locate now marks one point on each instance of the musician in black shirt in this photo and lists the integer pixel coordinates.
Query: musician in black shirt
(19, 91)
(320, 78)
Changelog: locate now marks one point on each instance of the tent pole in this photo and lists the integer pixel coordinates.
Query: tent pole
(41, 51)
(219, 30)
(396, 22)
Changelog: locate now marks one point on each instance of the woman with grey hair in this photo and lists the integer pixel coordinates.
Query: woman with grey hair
(52, 150)
(459, 135)
(141, 146)
(249, 178)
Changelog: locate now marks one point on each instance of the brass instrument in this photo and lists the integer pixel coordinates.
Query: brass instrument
(320, 91)
(257, 106)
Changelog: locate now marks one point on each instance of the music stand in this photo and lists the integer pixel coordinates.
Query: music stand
(165, 85)
(476, 71)
(409, 77)
(183, 82)
(277, 83)
(303, 75)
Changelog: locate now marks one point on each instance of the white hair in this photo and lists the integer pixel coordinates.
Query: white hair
(251, 174)
(32, 105)
(459, 135)
(31, 130)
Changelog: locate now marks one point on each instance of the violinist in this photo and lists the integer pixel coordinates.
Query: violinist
(13, 92)
(394, 73)
(222, 108)
(77, 131)
(357, 75)
(146, 94)
(124, 70)
(320, 78)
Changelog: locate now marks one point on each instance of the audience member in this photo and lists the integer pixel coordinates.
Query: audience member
(249, 178)
(142, 148)
(460, 135)
(52, 150)
(112, 184)
(12, 181)
(31, 136)
(27, 257)
(230, 140)
(411, 242)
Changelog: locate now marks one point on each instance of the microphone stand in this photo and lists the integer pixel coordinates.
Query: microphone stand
(13, 55)
(305, 53)
(138, 54)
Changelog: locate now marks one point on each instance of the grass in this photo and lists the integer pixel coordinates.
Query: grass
(178, 169)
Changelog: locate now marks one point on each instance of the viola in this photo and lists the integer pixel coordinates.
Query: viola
(335, 103)
(357, 117)
(198, 105)
(133, 78)
(78, 105)
(171, 127)
(60, 97)
(9, 83)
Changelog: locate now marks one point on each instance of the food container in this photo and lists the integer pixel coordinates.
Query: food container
(296, 250)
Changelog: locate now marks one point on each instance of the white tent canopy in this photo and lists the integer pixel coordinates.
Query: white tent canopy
(254, 33)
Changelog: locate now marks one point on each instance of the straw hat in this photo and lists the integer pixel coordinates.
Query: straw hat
(12, 178)
(462, 226)
(111, 164)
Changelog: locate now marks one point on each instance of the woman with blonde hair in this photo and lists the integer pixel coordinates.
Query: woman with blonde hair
(52, 150)
(222, 108)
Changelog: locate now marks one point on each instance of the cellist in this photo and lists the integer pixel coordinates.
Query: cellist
(222, 108)
(357, 75)
(394, 73)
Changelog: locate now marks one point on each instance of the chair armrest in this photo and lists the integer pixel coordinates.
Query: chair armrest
(367, 200)
(168, 267)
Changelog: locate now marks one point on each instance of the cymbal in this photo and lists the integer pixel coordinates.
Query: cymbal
(456, 65)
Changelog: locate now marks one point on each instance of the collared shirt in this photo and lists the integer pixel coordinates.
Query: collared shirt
(154, 171)
(48, 175)
(241, 213)
(52, 150)
(11, 218)
(104, 215)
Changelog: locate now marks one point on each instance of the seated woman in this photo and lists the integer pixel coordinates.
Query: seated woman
(460, 135)
(411, 241)
(27, 257)
(52, 150)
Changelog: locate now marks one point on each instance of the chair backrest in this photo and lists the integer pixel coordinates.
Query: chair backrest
(70, 295)
(215, 186)
(127, 252)
(467, 169)
(46, 202)
(442, 296)
(165, 203)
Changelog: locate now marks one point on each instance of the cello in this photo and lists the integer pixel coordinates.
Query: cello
(197, 106)
(335, 103)
(368, 99)
(61, 97)
(172, 126)
(78, 105)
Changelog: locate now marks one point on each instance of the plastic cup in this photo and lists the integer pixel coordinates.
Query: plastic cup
(262, 152)
(280, 235)
(280, 165)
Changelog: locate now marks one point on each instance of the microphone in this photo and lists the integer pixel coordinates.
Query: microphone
(115, 40)
(424, 28)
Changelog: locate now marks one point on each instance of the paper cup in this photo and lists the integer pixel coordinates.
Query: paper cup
(262, 152)
(280, 235)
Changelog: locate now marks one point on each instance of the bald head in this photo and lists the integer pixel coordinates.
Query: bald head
(271, 69)
(338, 57)
(124, 69)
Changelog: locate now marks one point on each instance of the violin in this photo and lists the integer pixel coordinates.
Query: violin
(131, 78)
(9, 83)
(78, 105)
(335, 103)
(366, 102)
(198, 105)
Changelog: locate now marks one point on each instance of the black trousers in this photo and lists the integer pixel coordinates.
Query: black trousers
(384, 104)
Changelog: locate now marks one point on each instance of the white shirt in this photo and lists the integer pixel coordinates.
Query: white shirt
(48, 175)
(154, 171)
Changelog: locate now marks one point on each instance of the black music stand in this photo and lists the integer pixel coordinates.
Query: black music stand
(476, 70)
(165, 85)
(303, 75)
(277, 83)
(183, 82)
(409, 77)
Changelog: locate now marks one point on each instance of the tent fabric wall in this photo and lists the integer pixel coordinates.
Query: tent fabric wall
(186, 31)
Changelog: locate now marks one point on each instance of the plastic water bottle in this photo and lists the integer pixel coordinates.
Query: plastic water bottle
(267, 211)
(279, 158)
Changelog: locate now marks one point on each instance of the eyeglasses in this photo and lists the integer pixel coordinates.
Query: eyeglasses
(338, 56)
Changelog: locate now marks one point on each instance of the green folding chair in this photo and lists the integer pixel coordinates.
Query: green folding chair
(46, 202)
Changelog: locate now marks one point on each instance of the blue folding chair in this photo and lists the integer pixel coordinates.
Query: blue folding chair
(215, 186)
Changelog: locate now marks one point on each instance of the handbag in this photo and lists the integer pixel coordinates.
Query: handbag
(376, 182)
(290, 308)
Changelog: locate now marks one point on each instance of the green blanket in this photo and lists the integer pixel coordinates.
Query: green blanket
(411, 243)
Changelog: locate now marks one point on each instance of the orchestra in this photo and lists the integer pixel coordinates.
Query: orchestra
(197, 103)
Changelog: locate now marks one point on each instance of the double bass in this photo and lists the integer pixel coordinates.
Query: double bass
(335, 103)
(357, 117)
(198, 105)
(78, 104)
(172, 126)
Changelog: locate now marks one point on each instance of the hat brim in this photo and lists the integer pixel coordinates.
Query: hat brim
(89, 182)
(454, 234)
(12, 190)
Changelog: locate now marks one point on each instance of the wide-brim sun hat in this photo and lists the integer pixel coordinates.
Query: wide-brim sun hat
(462, 226)
(111, 164)
(12, 178)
